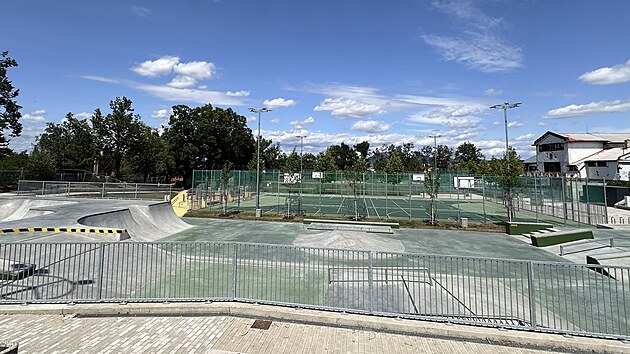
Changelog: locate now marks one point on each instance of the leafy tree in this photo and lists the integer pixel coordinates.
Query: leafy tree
(508, 170)
(71, 143)
(354, 176)
(363, 148)
(9, 109)
(41, 166)
(466, 152)
(292, 163)
(394, 167)
(205, 136)
(115, 131)
(14, 161)
(344, 156)
(480, 168)
(379, 158)
(326, 163)
(308, 161)
(444, 156)
(148, 153)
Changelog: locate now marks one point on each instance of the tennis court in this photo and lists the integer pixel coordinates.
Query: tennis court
(571, 202)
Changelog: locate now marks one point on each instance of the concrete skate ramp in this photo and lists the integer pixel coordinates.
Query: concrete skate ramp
(142, 222)
(17, 209)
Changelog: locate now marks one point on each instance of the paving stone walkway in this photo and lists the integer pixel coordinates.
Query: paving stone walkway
(56, 334)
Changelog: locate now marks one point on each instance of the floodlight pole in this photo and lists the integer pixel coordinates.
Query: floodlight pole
(505, 106)
(259, 111)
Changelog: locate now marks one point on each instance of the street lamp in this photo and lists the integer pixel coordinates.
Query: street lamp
(301, 169)
(433, 175)
(259, 111)
(505, 106)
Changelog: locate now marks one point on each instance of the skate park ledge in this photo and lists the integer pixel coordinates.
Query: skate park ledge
(120, 234)
(519, 228)
(393, 225)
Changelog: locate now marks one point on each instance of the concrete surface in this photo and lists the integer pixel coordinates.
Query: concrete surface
(144, 220)
(215, 327)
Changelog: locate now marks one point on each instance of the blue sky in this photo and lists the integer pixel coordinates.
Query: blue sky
(382, 71)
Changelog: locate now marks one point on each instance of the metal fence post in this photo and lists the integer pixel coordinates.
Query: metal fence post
(101, 264)
(234, 258)
(531, 293)
(588, 204)
(483, 199)
(43, 187)
(103, 191)
(370, 281)
(564, 199)
(605, 202)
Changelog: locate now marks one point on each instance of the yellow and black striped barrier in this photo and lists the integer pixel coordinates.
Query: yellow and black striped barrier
(62, 229)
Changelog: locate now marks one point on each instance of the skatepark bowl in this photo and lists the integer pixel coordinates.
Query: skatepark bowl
(543, 296)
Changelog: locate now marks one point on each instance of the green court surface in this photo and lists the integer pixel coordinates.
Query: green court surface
(449, 207)
(423, 241)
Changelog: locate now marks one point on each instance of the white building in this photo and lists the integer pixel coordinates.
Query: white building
(596, 156)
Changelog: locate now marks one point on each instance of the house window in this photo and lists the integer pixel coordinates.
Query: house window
(551, 147)
(602, 164)
(590, 163)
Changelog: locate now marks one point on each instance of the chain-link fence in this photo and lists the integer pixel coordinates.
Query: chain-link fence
(143, 191)
(571, 298)
(561, 200)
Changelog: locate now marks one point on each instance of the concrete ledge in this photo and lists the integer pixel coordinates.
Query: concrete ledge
(108, 233)
(519, 228)
(520, 338)
(393, 225)
(556, 238)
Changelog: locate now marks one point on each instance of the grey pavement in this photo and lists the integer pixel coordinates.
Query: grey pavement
(226, 327)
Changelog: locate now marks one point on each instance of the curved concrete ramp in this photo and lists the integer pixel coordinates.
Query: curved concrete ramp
(142, 222)
(17, 209)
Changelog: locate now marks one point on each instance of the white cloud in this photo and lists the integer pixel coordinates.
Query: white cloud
(542, 124)
(300, 123)
(348, 108)
(526, 137)
(83, 115)
(451, 116)
(36, 116)
(608, 75)
(515, 123)
(574, 110)
(140, 11)
(189, 95)
(160, 114)
(181, 81)
(195, 69)
(479, 44)
(274, 121)
(155, 68)
(278, 102)
(492, 92)
(241, 93)
(101, 79)
(370, 126)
